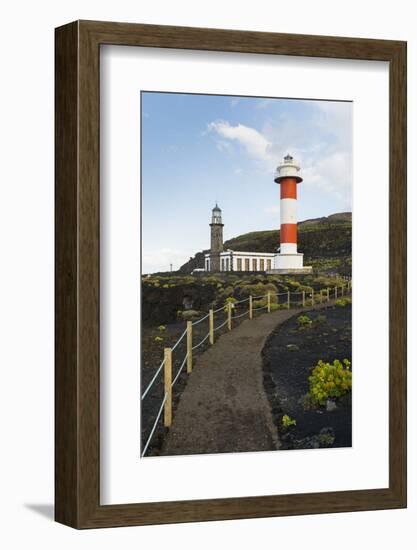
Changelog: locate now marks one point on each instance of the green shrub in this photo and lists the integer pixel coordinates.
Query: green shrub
(304, 321)
(161, 328)
(326, 439)
(190, 314)
(330, 380)
(287, 422)
(158, 339)
(292, 347)
(342, 302)
(259, 289)
(229, 300)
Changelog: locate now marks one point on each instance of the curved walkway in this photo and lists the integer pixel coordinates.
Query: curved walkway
(224, 407)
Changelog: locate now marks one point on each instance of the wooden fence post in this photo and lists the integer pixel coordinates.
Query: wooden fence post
(229, 316)
(189, 346)
(328, 295)
(343, 290)
(269, 301)
(312, 296)
(335, 292)
(250, 307)
(288, 300)
(304, 298)
(167, 387)
(211, 326)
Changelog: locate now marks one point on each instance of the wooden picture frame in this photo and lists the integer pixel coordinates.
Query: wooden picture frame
(77, 406)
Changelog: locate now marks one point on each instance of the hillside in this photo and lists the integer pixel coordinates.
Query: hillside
(325, 242)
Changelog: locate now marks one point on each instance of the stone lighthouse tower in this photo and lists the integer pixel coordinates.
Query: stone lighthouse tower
(216, 240)
(288, 259)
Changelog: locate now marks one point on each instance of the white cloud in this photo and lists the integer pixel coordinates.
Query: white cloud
(322, 145)
(331, 173)
(255, 144)
(267, 148)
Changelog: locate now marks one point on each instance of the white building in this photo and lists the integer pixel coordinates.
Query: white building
(232, 260)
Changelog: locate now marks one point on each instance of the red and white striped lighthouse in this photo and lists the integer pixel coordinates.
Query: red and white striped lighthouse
(288, 177)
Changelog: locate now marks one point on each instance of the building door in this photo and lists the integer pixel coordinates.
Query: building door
(261, 264)
(247, 266)
(254, 265)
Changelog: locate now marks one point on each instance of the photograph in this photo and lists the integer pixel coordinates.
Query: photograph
(246, 273)
(209, 259)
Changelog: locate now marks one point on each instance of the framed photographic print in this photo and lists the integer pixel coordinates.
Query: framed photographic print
(230, 274)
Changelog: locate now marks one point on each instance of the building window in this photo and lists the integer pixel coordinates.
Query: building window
(222, 264)
(207, 265)
(261, 264)
(227, 264)
(269, 264)
(239, 264)
(254, 265)
(247, 266)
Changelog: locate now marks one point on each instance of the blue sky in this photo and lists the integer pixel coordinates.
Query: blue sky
(199, 149)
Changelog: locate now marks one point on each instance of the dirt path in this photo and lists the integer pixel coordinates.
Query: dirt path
(224, 407)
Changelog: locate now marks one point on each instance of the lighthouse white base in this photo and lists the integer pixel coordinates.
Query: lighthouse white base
(289, 263)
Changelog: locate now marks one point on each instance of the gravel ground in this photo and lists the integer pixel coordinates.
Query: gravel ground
(289, 356)
(223, 405)
(152, 353)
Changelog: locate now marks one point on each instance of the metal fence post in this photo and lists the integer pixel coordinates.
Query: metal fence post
(250, 307)
(269, 302)
(304, 298)
(211, 326)
(288, 300)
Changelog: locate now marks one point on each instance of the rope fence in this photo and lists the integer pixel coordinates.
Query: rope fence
(153, 380)
(306, 299)
(221, 326)
(202, 342)
(145, 448)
